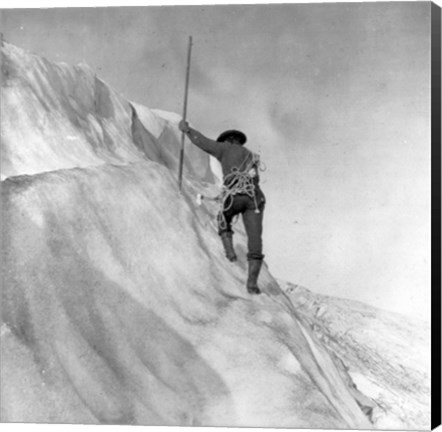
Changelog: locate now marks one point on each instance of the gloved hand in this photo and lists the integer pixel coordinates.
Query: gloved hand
(184, 126)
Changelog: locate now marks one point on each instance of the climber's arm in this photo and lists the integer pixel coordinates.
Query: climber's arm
(212, 147)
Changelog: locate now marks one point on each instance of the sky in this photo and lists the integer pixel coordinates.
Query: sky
(335, 98)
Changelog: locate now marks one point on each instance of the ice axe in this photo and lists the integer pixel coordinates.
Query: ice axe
(186, 91)
(201, 197)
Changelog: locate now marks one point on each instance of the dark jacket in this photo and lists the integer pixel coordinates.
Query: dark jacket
(230, 155)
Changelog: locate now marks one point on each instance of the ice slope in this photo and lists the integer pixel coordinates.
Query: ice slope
(56, 116)
(118, 305)
(386, 354)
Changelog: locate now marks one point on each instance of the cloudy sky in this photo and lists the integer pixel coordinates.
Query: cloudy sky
(334, 96)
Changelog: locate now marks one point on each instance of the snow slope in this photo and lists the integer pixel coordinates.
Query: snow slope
(387, 355)
(118, 305)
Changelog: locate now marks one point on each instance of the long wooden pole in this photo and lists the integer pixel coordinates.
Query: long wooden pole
(186, 92)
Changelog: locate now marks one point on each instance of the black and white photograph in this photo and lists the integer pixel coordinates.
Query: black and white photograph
(218, 215)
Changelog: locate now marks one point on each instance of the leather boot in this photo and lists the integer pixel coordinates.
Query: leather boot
(252, 280)
(227, 240)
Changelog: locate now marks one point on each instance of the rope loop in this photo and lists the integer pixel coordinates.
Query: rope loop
(238, 182)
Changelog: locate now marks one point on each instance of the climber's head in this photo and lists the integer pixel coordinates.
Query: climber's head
(232, 136)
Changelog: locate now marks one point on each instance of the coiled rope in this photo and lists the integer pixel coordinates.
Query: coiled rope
(238, 181)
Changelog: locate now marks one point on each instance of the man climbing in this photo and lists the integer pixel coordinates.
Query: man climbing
(241, 194)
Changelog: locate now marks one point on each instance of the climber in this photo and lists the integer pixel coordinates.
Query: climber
(241, 194)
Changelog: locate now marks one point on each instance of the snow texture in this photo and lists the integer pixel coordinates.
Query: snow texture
(118, 305)
(384, 355)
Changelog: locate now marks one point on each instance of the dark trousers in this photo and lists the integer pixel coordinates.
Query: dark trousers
(244, 204)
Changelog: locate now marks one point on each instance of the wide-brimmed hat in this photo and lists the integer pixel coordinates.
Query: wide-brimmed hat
(232, 133)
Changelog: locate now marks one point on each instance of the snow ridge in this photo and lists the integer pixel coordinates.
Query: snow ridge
(373, 348)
